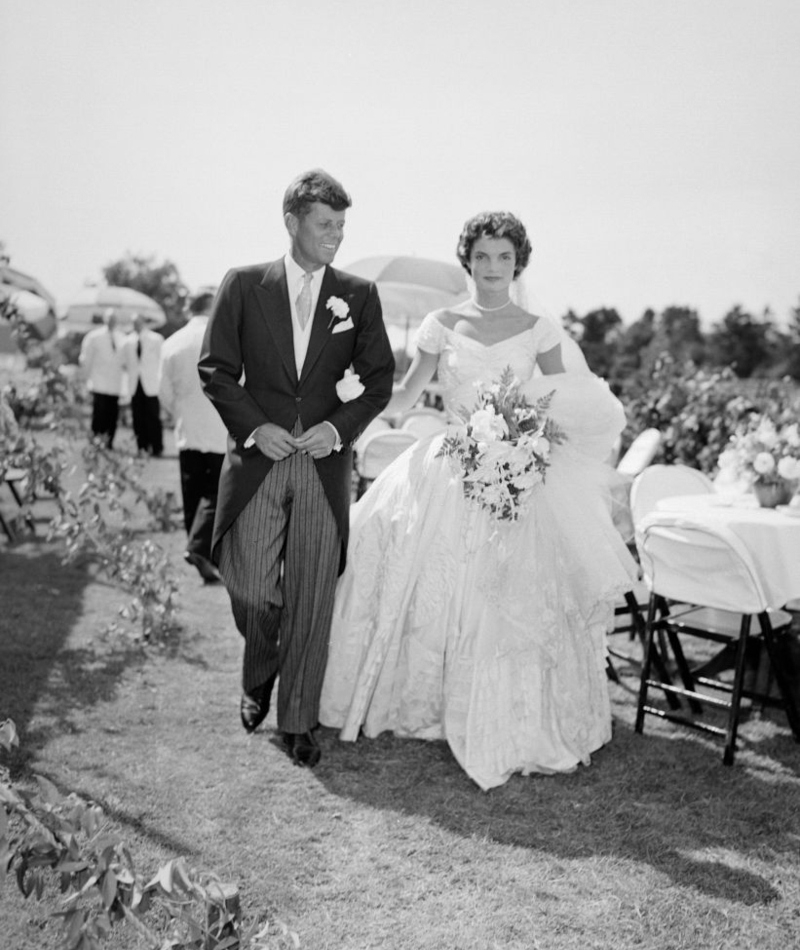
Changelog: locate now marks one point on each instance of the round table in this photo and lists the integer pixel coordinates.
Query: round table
(771, 535)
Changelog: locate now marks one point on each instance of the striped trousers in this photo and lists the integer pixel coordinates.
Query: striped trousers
(280, 561)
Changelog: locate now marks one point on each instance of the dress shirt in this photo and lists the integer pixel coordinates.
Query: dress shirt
(295, 276)
(143, 367)
(102, 361)
(198, 425)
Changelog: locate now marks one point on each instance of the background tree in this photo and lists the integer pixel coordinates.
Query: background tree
(743, 342)
(597, 334)
(160, 281)
(793, 345)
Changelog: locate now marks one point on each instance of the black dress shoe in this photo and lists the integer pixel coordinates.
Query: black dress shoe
(208, 570)
(254, 705)
(302, 747)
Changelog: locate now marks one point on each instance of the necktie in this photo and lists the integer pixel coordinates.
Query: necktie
(304, 301)
(139, 347)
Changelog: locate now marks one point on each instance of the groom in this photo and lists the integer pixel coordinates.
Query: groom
(281, 339)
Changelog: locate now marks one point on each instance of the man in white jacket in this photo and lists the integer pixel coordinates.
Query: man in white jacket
(200, 434)
(142, 356)
(102, 361)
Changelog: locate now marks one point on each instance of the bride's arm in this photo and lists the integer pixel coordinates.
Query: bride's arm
(407, 392)
(550, 361)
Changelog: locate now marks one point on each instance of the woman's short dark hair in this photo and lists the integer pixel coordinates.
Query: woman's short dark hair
(495, 224)
(311, 186)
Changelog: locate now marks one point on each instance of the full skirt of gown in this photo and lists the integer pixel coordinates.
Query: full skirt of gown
(489, 634)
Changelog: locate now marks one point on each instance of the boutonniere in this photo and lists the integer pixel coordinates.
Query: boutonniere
(349, 386)
(338, 308)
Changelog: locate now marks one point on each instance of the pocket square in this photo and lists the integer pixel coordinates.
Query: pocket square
(344, 325)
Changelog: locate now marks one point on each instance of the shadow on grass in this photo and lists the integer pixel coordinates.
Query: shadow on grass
(663, 800)
(39, 672)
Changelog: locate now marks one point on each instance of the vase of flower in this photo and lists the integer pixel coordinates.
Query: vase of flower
(766, 455)
(770, 494)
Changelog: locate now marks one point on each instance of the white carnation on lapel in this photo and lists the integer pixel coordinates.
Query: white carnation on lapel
(349, 386)
(338, 307)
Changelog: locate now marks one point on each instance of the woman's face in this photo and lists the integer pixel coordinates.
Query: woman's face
(492, 262)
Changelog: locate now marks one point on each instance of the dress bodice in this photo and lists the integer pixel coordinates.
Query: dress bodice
(465, 363)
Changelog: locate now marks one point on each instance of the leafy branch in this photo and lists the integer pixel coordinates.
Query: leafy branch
(46, 836)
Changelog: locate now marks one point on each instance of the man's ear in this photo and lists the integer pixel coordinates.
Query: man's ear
(291, 221)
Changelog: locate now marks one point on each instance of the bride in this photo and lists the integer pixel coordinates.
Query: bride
(453, 621)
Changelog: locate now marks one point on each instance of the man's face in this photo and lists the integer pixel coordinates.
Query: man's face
(316, 236)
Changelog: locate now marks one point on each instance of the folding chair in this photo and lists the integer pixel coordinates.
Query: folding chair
(14, 478)
(423, 422)
(663, 481)
(714, 578)
(641, 453)
(648, 487)
(377, 451)
(377, 425)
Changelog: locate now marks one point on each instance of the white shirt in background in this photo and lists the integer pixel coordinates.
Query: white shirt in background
(198, 425)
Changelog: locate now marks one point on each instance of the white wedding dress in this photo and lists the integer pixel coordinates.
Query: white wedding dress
(449, 624)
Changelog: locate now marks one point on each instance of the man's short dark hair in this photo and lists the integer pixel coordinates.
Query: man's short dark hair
(201, 302)
(311, 186)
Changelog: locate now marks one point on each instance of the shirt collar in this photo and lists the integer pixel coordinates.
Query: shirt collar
(295, 274)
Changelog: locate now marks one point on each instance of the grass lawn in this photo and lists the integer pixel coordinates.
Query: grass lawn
(386, 844)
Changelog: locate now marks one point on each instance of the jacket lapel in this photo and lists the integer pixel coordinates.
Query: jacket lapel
(320, 334)
(273, 298)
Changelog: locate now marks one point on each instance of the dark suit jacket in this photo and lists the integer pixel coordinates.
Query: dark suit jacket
(247, 369)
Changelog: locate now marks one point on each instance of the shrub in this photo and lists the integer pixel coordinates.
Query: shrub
(697, 410)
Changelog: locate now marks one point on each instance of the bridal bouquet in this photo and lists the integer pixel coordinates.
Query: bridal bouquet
(502, 450)
(763, 452)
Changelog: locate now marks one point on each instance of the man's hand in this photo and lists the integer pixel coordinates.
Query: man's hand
(274, 442)
(318, 441)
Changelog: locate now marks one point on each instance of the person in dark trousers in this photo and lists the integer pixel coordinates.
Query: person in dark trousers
(297, 361)
(200, 434)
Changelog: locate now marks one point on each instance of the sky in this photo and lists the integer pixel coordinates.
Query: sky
(651, 147)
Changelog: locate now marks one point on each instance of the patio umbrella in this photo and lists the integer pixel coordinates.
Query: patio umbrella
(409, 288)
(32, 302)
(91, 303)
(422, 271)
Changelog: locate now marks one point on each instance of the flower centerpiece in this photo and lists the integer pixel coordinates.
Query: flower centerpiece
(502, 449)
(767, 457)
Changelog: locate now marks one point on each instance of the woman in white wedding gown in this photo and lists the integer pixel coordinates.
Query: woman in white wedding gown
(451, 624)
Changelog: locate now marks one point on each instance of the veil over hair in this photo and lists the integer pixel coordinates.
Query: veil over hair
(571, 354)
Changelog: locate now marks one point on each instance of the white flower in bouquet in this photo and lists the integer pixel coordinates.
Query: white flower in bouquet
(503, 450)
(487, 426)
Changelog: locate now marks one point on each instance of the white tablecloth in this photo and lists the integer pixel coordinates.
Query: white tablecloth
(772, 535)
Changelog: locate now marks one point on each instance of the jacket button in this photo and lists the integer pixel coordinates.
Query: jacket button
(298, 398)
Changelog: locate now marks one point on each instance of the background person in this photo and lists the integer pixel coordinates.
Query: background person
(200, 434)
(101, 359)
(142, 358)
